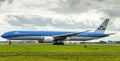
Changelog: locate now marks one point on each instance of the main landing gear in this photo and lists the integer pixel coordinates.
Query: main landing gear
(9, 41)
(58, 43)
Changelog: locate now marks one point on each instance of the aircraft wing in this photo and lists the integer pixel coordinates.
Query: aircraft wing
(64, 36)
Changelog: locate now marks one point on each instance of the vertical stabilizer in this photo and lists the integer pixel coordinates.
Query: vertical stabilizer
(102, 27)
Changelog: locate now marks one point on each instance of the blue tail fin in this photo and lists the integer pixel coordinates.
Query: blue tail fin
(102, 27)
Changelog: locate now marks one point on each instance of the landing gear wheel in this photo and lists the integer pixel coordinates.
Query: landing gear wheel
(58, 43)
(10, 42)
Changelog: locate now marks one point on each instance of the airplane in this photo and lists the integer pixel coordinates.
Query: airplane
(58, 37)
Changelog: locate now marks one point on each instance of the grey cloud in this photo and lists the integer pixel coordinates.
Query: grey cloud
(114, 13)
(39, 21)
(77, 6)
(8, 1)
(72, 6)
(42, 22)
(1, 1)
(21, 21)
(108, 7)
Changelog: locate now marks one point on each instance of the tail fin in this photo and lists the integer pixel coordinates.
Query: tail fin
(102, 27)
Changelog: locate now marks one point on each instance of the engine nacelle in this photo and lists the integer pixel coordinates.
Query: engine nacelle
(46, 39)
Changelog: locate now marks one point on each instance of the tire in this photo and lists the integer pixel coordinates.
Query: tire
(58, 43)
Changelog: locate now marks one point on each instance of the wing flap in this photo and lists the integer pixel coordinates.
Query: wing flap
(70, 34)
(63, 36)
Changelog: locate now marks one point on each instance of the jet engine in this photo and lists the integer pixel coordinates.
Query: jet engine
(46, 39)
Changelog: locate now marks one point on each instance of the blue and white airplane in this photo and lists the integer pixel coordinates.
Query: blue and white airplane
(57, 37)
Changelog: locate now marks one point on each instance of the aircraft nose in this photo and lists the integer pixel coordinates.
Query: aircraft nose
(3, 36)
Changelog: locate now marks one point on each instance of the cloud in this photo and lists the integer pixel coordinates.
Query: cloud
(58, 14)
(56, 20)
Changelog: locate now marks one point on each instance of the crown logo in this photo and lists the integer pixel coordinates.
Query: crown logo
(101, 28)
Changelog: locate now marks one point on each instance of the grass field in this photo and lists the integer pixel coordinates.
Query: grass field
(59, 53)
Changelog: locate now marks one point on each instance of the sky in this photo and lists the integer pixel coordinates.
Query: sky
(60, 15)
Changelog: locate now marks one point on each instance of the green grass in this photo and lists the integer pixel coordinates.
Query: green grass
(59, 53)
(60, 58)
(60, 48)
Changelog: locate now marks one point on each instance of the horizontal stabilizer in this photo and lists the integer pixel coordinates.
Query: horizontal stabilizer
(111, 33)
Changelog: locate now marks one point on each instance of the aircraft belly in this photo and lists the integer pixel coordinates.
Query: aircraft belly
(82, 38)
(42, 37)
(27, 38)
